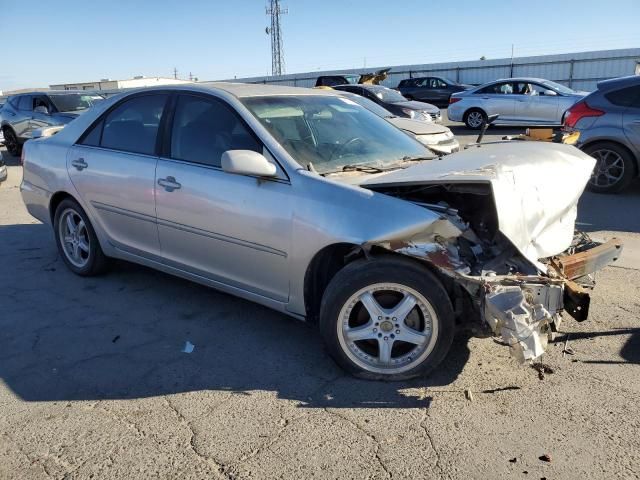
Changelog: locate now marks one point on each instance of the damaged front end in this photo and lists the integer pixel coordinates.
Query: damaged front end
(517, 298)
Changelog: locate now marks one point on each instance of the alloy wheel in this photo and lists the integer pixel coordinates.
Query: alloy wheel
(74, 238)
(387, 328)
(475, 119)
(609, 168)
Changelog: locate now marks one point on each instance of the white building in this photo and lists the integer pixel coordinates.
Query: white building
(108, 84)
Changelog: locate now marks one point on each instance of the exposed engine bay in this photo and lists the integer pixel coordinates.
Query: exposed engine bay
(519, 299)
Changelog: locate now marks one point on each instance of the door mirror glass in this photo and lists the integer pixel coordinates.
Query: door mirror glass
(549, 93)
(247, 162)
(41, 109)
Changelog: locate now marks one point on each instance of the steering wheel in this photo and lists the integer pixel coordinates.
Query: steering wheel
(338, 151)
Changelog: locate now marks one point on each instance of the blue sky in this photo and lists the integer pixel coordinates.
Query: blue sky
(74, 41)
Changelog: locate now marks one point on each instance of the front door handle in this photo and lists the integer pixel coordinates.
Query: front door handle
(169, 184)
(79, 164)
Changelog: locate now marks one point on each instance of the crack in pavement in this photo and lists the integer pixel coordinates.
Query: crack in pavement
(371, 436)
(217, 466)
(438, 465)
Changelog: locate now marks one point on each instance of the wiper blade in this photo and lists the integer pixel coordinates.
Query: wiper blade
(355, 168)
(361, 168)
(407, 158)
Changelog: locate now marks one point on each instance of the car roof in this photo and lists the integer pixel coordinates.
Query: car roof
(521, 79)
(622, 82)
(248, 89)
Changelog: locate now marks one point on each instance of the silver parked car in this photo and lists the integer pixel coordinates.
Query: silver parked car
(303, 201)
(23, 113)
(517, 101)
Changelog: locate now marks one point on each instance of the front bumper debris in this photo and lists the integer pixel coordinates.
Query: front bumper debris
(524, 309)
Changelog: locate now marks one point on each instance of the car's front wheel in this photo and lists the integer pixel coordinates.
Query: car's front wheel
(386, 319)
(77, 241)
(614, 168)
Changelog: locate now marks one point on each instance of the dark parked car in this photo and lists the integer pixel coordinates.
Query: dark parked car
(394, 102)
(435, 90)
(609, 124)
(24, 113)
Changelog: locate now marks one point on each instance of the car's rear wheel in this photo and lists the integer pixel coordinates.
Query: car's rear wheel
(386, 319)
(614, 168)
(474, 118)
(77, 241)
(11, 142)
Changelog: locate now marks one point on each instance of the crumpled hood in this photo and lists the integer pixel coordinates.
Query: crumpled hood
(536, 188)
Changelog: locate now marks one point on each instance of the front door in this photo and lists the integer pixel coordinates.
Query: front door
(113, 168)
(229, 228)
(533, 106)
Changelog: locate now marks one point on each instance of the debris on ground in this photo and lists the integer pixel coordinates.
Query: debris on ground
(567, 350)
(501, 389)
(115, 339)
(513, 460)
(468, 395)
(545, 457)
(542, 369)
(188, 347)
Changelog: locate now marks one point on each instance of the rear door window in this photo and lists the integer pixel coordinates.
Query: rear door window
(25, 103)
(133, 125)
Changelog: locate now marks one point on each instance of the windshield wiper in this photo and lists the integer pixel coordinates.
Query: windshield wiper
(408, 158)
(361, 168)
(355, 168)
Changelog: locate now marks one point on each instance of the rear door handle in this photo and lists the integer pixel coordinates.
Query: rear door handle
(79, 164)
(169, 184)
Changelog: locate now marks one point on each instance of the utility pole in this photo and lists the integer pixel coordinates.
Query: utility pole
(175, 73)
(511, 70)
(277, 54)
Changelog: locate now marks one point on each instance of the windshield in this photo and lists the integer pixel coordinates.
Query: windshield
(558, 87)
(449, 81)
(369, 105)
(331, 131)
(387, 95)
(72, 102)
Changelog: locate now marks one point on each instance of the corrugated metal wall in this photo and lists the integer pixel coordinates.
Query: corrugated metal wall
(581, 71)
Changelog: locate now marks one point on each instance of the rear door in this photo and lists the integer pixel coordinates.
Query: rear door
(497, 98)
(631, 118)
(22, 120)
(113, 169)
(232, 229)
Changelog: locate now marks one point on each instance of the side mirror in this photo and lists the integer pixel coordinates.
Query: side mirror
(247, 162)
(41, 109)
(549, 93)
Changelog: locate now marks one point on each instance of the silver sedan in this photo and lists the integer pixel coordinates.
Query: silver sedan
(517, 101)
(310, 204)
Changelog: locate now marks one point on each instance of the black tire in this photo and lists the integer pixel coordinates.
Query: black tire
(96, 261)
(11, 142)
(386, 270)
(620, 163)
(471, 118)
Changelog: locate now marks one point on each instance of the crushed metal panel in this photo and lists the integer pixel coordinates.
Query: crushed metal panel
(525, 327)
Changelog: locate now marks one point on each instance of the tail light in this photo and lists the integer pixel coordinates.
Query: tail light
(453, 100)
(578, 111)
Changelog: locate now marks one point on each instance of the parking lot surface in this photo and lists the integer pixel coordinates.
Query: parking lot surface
(94, 382)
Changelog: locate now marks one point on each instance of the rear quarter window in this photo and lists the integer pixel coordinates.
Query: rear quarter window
(625, 97)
